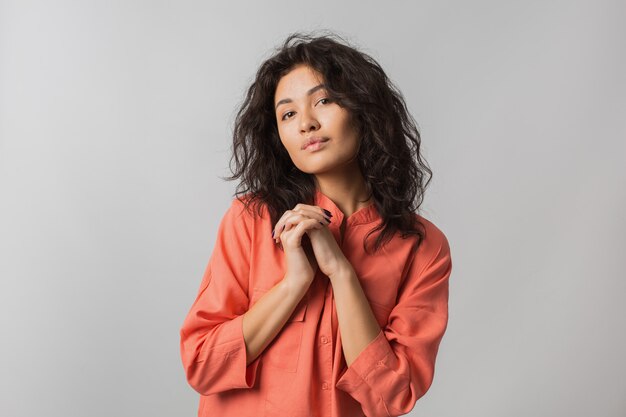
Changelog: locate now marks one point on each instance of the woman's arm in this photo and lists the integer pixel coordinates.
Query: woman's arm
(264, 320)
(356, 320)
(218, 350)
(397, 367)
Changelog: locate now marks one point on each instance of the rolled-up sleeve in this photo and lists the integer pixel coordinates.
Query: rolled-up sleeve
(212, 345)
(397, 368)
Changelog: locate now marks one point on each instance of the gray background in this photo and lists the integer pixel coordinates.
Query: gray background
(115, 124)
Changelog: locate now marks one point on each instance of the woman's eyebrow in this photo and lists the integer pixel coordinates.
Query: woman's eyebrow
(308, 93)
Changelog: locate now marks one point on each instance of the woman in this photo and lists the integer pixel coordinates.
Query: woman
(297, 314)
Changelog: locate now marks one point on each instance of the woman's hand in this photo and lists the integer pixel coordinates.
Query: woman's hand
(290, 231)
(327, 254)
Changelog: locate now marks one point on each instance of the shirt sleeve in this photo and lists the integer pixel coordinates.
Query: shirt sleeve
(212, 345)
(397, 368)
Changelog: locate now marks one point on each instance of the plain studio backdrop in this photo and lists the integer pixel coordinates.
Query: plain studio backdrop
(115, 126)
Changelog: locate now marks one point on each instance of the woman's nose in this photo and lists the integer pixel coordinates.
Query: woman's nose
(308, 121)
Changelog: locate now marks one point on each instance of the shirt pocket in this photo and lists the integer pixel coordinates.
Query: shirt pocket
(283, 352)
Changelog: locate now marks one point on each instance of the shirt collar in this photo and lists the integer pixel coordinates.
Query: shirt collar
(366, 214)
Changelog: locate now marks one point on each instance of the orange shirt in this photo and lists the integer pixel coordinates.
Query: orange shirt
(303, 372)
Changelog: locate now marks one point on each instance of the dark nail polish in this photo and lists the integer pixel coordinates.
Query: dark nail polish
(272, 233)
(328, 213)
(327, 219)
(322, 224)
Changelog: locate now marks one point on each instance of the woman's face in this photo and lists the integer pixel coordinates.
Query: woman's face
(303, 111)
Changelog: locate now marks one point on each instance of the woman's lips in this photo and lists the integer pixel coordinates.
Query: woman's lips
(316, 145)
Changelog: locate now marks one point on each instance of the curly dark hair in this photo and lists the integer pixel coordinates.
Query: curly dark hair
(396, 175)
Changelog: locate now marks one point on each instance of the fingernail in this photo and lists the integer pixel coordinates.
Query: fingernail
(272, 233)
(322, 224)
(327, 219)
(328, 213)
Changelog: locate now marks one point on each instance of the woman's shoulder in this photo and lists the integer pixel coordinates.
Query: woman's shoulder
(251, 209)
(434, 239)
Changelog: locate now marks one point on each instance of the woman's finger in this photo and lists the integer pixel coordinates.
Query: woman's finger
(310, 211)
(295, 220)
(316, 212)
(299, 229)
(302, 209)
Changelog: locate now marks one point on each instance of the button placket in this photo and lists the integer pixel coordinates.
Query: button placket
(325, 341)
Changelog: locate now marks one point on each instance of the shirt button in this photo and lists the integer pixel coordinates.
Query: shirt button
(325, 385)
(324, 339)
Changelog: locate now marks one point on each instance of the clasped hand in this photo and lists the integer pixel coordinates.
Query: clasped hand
(312, 220)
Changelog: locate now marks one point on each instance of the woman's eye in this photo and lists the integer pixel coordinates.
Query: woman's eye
(327, 100)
